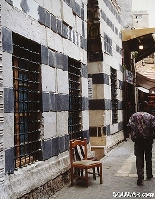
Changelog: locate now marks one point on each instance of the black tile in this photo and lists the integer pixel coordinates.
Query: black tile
(25, 6)
(68, 2)
(41, 12)
(64, 30)
(96, 104)
(99, 132)
(98, 78)
(65, 63)
(59, 60)
(44, 55)
(62, 102)
(52, 101)
(47, 149)
(8, 100)
(59, 26)
(70, 34)
(77, 9)
(85, 103)
(120, 126)
(55, 146)
(46, 102)
(7, 40)
(100, 104)
(62, 144)
(72, 4)
(67, 139)
(47, 19)
(9, 161)
(84, 71)
(83, 29)
(52, 59)
(53, 23)
(73, 32)
(82, 14)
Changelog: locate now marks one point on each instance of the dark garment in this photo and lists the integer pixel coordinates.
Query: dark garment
(141, 148)
(142, 125)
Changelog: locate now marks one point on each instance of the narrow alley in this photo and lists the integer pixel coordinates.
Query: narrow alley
(119, 178)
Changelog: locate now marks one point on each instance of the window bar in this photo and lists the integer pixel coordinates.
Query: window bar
(26, 70)
(114, 100)
(74, 125)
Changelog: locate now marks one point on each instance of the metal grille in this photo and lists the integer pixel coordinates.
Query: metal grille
(107, 44)
(27, 100)
(114, 95)
(75, 106)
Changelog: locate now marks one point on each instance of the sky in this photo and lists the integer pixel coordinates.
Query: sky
(147, 5)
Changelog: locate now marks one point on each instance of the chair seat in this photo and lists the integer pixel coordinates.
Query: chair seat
(86, 162)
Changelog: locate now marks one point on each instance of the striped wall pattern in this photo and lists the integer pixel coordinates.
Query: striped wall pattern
(100, 104)
(59, 27)
(2, 159)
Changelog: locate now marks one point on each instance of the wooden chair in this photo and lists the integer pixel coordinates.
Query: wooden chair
(80, 166)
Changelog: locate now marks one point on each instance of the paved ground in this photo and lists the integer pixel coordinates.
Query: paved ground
(119, 178)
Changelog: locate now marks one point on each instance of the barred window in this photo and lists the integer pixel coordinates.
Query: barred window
(107, 44)
(138, 16)
(27, 100)
(118, 49)
(114, 96)
(75, 105)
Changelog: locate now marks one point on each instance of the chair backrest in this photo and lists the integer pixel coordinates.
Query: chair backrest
(78, 150)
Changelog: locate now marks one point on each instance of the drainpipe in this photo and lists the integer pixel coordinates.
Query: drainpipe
(133, 56)
(135, 88)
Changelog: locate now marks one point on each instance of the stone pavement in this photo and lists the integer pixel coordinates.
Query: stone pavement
(119, 178)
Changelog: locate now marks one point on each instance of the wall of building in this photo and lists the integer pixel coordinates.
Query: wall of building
(102, 130)
(126, 13)
(59, 27)
(2, 162)
(140, 19)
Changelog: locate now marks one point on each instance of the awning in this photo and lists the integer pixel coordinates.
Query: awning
(135, 33)
(145, 82)
(144, 90)
(132, 39)
(135, 37)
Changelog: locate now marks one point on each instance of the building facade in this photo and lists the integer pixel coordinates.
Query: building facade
(105, 75)
(140, 19)
(61, 78)
(43, 93)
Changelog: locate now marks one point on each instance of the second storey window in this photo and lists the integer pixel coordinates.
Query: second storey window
(107, 44)
(75, 105)
(114, 101)
(27, 100)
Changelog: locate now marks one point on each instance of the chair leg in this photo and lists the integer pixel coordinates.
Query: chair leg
(72, 176)
(94, 175)
(86, 176)
(98, 170)
(101, 180)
